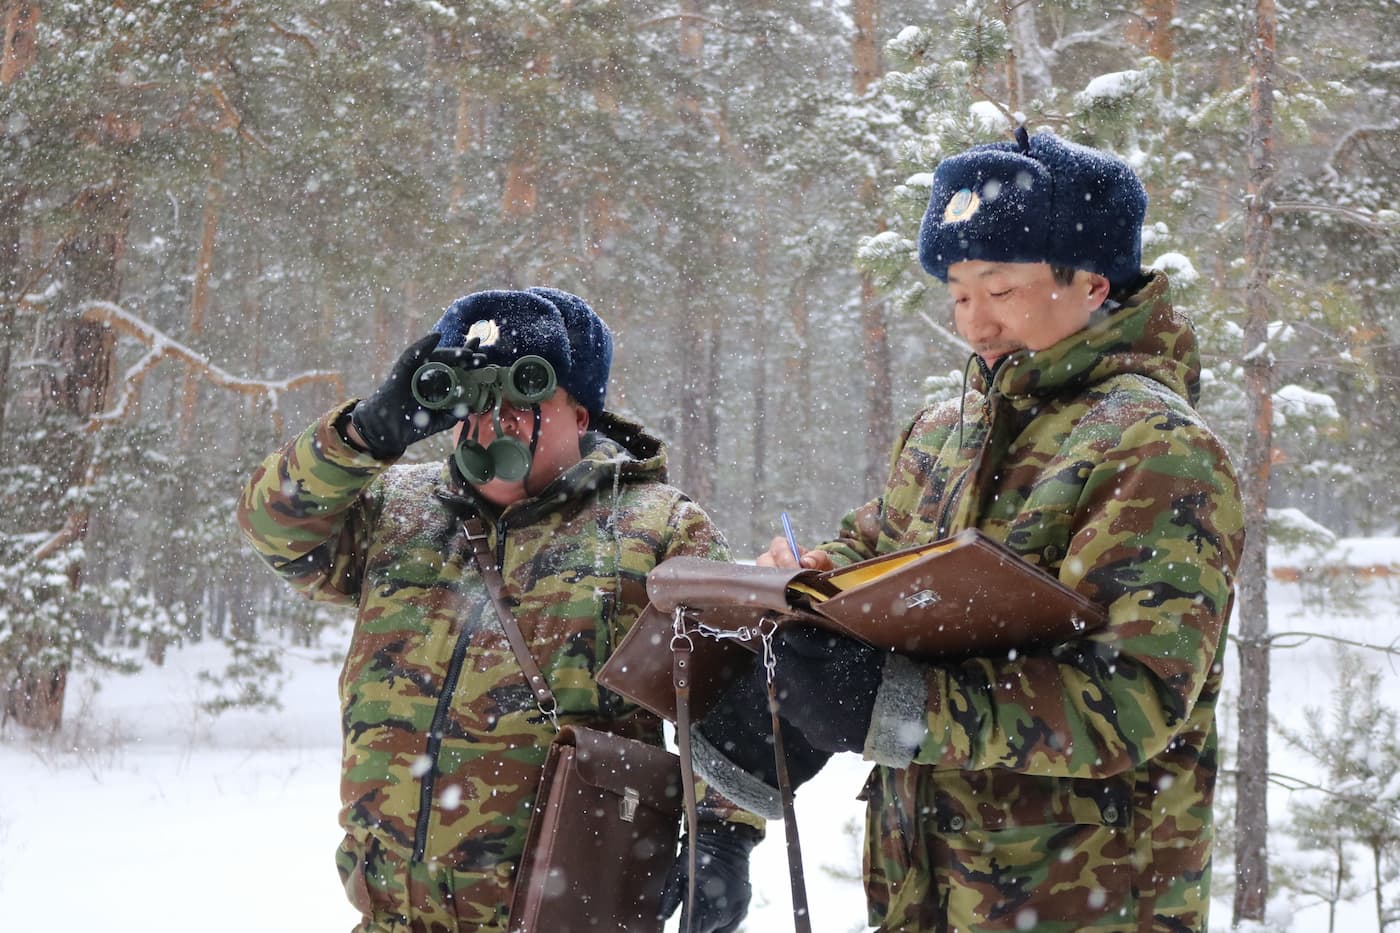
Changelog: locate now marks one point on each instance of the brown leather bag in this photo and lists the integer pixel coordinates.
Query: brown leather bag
(960, 596)
(603, 835)
(602, 838)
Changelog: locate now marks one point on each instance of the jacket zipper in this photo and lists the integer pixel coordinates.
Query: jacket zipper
(444, 703)
(501, 546)
(429, 783)
(950, 500)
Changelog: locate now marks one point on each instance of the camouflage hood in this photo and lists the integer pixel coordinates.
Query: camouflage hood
(1144, 336)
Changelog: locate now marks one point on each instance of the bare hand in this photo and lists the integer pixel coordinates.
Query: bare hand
(780, 555)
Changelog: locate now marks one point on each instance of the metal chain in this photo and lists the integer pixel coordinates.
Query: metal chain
(682, 627)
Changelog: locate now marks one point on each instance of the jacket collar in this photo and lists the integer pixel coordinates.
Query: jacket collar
(1144, 335)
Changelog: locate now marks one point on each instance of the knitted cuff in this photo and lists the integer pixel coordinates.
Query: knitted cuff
(899, 722)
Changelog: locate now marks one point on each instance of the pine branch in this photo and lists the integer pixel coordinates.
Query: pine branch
(950, 338)
(74, 527)
(1289, 782)
(1352, 136)
(232, 118)
(1363, 220)
(288, 33)
(1110, 33)
(1274, 640)
(696, 17)
(160, 346)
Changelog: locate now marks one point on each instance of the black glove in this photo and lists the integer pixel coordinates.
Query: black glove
(391, 418)
(826, 686)
(722, 888)
(741, 727)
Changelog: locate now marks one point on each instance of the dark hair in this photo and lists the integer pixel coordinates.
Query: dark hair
(1064, 275)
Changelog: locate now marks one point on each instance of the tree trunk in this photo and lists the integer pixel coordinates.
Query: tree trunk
(36, 700)
(699, 339)
(11, 232)
(1251, 812)
(1378, 879)
(879, 410)
(879, 387)
(77, 386)
(21, 21)
(705, 483)
(521, 195)
(199, 297)
(1013, 70)
(758, 486)
(462, 141)
(1153, 31)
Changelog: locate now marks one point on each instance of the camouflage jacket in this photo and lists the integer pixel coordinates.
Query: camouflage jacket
(443, 741)
(1068, 788)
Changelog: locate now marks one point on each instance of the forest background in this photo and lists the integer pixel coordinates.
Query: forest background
(217, 219)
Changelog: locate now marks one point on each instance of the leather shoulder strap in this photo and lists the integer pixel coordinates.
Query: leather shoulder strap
(681, 655)
(495, 586)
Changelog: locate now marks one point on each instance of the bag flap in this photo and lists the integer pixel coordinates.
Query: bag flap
(702, 584)
(973, 598)
(616, 765)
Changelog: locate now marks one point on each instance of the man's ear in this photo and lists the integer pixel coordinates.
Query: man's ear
(581, 419)
(1099, 287)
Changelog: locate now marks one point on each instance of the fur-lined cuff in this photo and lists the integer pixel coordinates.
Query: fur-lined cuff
(733, 781)
(899, 721)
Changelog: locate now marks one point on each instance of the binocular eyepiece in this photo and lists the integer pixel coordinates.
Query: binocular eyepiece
(527, 381)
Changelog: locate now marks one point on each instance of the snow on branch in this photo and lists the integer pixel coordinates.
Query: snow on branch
(1289, 782)
(1110, 32)
(1298, 639)
(685, 17)
(161, 346)
(1365, 220)
(1354, 136)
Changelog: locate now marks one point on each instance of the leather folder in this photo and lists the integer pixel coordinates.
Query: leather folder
(962, 596)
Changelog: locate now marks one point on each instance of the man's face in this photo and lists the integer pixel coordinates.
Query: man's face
(1002, 307)
(562, 422)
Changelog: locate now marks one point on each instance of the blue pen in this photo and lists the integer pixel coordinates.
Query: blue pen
(792, 541)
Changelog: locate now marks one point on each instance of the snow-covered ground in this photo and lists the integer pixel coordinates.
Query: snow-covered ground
(151, 816)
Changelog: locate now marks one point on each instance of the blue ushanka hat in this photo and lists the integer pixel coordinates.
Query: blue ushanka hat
(508, 325)
(546, 322)
(590, 349)
(1041, 199)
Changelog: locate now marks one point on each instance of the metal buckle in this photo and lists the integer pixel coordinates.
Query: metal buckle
(680, 635)
(627, 806)
(552, 711)
(921, 599)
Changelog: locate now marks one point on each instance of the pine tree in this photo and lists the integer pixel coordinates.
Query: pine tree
(1357, 804)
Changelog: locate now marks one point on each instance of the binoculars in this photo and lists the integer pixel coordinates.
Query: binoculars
(477, 389)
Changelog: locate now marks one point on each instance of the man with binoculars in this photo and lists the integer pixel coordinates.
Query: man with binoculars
(444, 742)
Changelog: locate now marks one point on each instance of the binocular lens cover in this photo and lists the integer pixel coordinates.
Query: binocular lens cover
(437, 385)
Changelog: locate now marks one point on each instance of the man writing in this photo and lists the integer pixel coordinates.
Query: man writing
(444, 742)
(1059, 789)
